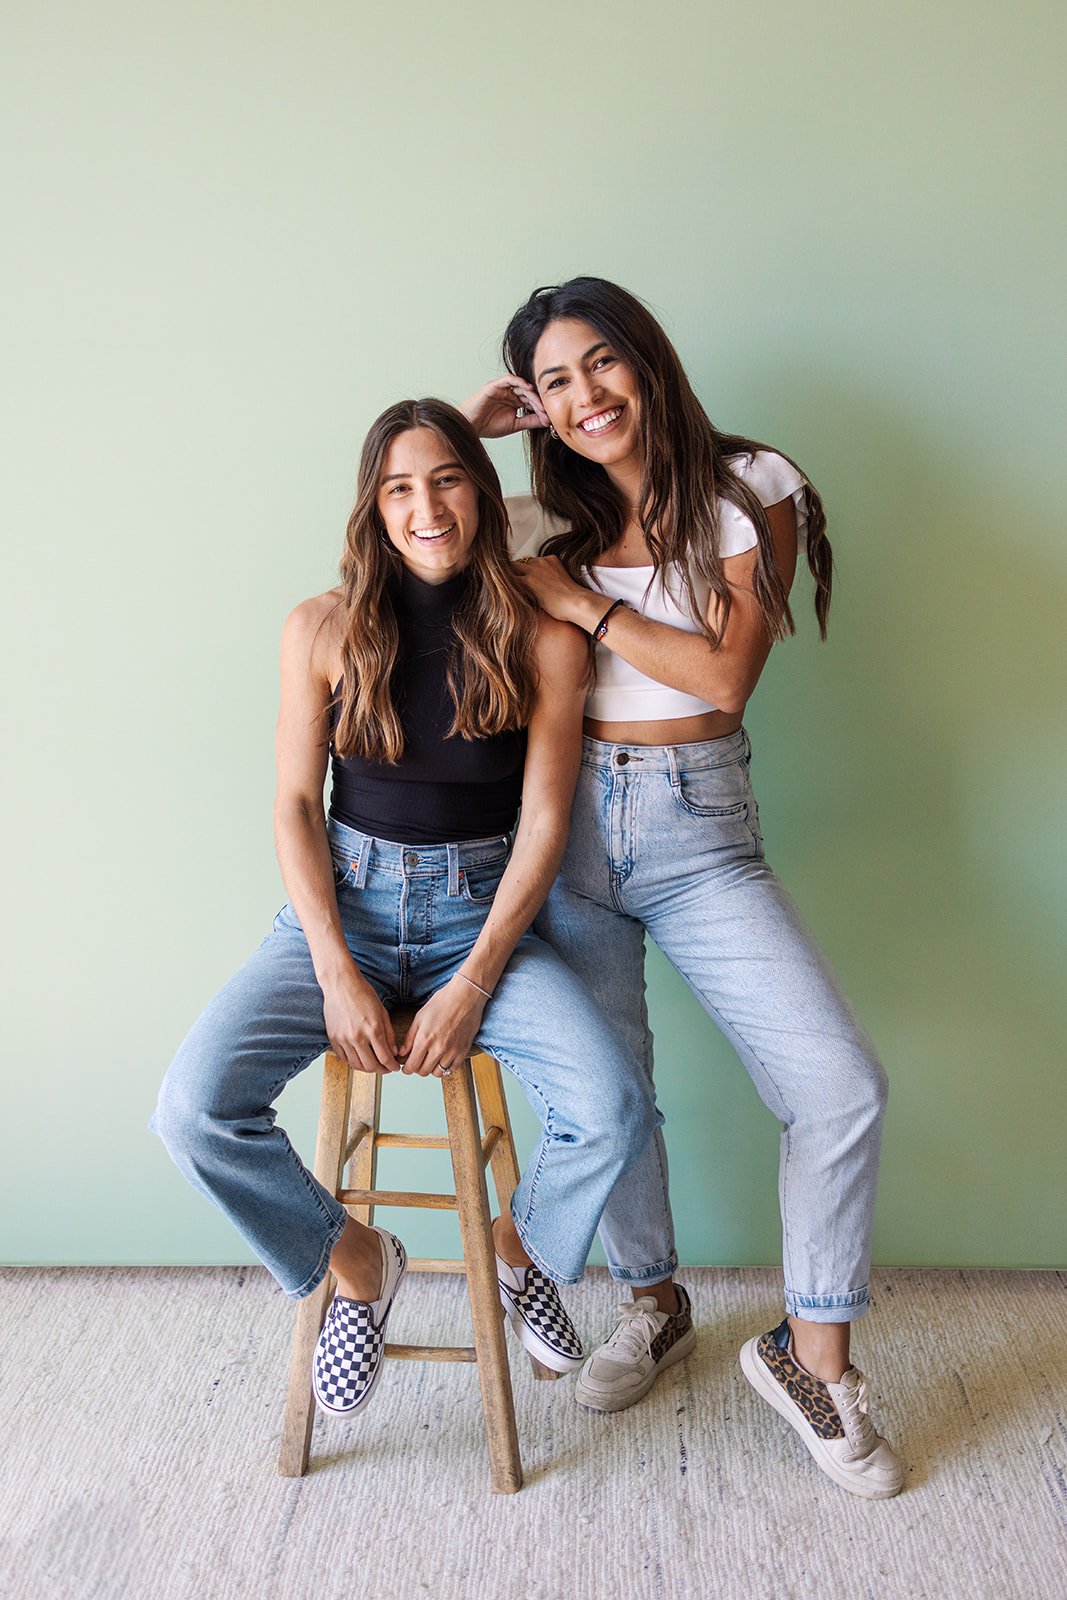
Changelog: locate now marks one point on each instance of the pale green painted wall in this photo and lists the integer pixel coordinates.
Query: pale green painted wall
(236, 230)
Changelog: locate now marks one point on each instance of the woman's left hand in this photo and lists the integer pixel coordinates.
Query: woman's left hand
(443, 1031)
(557, 593)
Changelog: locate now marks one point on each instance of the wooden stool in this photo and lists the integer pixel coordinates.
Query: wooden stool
(348, 1132)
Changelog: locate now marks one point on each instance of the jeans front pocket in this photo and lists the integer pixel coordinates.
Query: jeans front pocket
(479, 884)
(714, 791)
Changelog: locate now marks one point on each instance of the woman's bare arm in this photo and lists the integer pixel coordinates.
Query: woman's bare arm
(445, 1028)
(726, 677)
(357, 1024)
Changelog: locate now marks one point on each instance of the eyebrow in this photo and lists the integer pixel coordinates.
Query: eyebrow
(593, 348)
(389, 476)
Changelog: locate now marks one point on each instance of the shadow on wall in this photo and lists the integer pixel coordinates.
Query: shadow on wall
(912, 776)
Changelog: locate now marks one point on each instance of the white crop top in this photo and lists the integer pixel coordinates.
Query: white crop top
(622, 693)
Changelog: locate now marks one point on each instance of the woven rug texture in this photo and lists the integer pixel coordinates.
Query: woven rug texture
(142, 1410)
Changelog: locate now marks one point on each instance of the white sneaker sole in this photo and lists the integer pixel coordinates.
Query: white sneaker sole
(594, 1401)
(763, 1382)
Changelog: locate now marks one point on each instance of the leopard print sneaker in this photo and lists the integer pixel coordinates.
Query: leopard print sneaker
(832, 1419)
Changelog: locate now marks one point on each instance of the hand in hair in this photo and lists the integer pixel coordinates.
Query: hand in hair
(507, 405)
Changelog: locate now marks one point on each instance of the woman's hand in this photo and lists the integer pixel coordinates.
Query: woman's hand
(444, 1029)
(507, 405)
(558, 594)
(358, 1026)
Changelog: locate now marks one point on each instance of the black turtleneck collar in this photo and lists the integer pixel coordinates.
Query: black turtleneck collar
(432, 602)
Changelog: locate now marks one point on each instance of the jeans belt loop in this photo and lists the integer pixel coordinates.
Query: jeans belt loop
(363, 862)
(453, 868)
(672, 763)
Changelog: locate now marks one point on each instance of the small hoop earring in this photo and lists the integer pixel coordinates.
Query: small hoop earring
(552, 434)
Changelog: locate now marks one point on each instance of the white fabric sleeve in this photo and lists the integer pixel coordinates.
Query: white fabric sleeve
(530, 525)
(772, 478)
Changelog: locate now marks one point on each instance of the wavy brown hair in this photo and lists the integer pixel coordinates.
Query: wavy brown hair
(687, 463)
(490, 672)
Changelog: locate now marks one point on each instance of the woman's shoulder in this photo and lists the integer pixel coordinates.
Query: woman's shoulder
(313, 630)
(531, 525)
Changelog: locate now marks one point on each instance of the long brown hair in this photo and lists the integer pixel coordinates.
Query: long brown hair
(490, 671)
(687, 465)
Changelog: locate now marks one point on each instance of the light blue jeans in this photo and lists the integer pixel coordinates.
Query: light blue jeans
(667, 838)
(411, 916)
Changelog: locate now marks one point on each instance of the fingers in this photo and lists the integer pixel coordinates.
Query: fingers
(530, 412)
(426, 1056)
(373, 1050)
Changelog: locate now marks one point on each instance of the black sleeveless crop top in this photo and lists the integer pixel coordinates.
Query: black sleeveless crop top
(442, 790)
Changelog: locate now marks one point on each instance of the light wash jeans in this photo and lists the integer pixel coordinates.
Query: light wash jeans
(411, 916)
(667, 838)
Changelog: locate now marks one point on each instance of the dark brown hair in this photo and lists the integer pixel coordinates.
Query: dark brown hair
(490, 672)
(687, 462)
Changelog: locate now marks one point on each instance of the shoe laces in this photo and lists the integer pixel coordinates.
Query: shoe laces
(854, 1408)
(634, 1335)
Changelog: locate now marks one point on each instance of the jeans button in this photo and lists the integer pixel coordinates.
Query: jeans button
(411, 859)
(622, 758)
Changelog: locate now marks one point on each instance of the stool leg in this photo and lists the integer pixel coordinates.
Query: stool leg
(329, 1158)
(503, 1160)
(366, 1106)
(487, 1314)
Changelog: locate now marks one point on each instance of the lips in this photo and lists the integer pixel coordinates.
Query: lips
(601, 421)
(431, 535)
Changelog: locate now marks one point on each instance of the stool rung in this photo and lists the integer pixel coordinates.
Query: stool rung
(399, 1197)
(416, 1141)
(435, 1264)
(412, 1141)
(359, 1133)
(431, 1352)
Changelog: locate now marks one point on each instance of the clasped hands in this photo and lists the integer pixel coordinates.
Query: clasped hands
(360, 1029)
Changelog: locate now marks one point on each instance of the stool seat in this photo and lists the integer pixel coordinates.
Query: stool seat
(349, 1136)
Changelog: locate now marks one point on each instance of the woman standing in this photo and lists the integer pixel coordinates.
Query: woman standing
(444, 698)
(674, 547)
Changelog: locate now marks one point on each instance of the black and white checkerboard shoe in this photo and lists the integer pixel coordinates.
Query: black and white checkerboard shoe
(536, 1312)
(348, 1356)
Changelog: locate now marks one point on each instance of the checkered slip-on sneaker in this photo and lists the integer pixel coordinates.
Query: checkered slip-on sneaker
(348, 1356)
(833, 1419)
(644, 1342)
(536, 1313)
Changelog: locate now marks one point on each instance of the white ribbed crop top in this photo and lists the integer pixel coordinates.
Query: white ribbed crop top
(622, 693)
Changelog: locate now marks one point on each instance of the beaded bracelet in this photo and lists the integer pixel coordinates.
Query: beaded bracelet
(602, 626)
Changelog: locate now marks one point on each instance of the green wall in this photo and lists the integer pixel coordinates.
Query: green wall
(236, 230)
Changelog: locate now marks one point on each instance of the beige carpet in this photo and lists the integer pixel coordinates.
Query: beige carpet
(141, 1410)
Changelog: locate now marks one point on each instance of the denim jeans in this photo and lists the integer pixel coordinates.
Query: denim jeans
(667, 839)
(411, 916)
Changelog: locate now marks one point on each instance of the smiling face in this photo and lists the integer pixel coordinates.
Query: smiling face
(429, 505)
(590, 394)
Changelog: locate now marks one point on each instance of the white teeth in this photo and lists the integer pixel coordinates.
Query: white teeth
(431, 533)
(602, 420)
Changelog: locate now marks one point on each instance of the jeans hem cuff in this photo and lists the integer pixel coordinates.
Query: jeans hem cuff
(829, 1307)
(646, 1275)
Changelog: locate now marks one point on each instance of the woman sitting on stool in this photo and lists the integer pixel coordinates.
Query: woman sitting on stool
(445, 697)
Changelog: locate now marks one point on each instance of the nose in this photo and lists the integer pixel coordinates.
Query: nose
(428, 503)
(587, 389)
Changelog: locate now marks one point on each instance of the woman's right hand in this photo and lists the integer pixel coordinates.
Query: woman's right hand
(358, 1026)
(494, 411)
